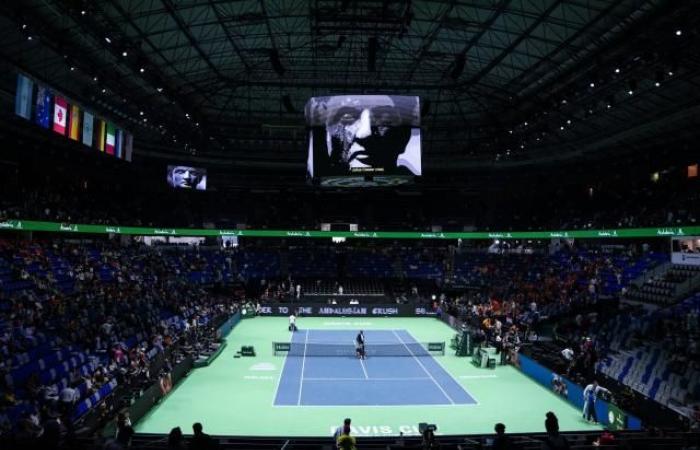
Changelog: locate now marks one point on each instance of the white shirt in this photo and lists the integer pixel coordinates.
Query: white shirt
(292, 319)
(568, 354)
(592, 392)
(68, 395)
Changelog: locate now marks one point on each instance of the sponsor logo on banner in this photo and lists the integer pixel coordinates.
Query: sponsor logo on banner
(342, 311)
(381, 430)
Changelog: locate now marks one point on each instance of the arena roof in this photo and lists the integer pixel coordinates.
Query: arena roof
(502, 82)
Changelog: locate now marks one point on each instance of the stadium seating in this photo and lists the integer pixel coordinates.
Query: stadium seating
(654, 353)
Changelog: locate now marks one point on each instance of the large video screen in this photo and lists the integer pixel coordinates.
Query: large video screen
(186, 177)
(363, 135)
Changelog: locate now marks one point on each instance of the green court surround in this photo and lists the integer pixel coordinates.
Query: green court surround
(235, 396)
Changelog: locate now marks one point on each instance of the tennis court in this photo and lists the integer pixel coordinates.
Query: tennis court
(265, 396)
(321, 369)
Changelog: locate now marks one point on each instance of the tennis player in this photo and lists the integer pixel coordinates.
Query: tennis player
(292, 322)
(360, 345)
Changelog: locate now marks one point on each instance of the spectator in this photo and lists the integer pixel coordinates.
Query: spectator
(342, 437)
(201, 440)
(339, 430)
(553, 441)
(68, 397)
(175, 439)
(607, 438)
(124, 430)
(501, 441)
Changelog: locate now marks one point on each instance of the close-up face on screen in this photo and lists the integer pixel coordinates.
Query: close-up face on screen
(186, 177)
(367, 132)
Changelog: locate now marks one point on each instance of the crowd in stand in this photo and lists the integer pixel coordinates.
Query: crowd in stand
(656, 354)
(519, 291)
(105, 311)
(78, 320)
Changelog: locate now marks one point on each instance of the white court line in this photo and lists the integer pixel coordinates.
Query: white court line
(364, 369)
(303, 363)
(368, 379)
(476, 377)
(279, 380)
(422, 366)
(437, 361)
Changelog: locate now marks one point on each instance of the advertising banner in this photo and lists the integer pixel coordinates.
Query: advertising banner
(31, 225)
(608, 414)
(324, 310)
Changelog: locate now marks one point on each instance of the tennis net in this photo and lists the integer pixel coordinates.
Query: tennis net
(378, 349)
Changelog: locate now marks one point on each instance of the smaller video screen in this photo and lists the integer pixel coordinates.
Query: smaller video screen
(186, 177)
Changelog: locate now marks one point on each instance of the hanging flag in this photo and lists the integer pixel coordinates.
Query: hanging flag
(60, 115)
(118, 143)
(109, 141)
(43, 107)
(100, 135)
(23, 98)
(74, 123)
(128, 146)
(88, 119)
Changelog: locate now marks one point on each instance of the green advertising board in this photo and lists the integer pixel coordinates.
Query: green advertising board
(617, 418)
(55, 227)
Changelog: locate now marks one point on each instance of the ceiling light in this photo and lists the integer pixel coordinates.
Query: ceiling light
(630, 92)
(657, 84)
(592, 85)
(94, 78)
(72, 68)
(29, 38)
(108, 40)
(679, 32)
(568, 122)
(159, 89)
(617, 70)
(83, 12)
(104, 90)
(24, 26)
(561, 127)
(670, 73)
(608, 106)
(142, 70)
(525, 124)
(124, 53)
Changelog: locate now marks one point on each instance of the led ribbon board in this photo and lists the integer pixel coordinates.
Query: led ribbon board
(56, 227)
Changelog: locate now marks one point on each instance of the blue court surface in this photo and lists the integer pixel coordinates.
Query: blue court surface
(416, 378)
